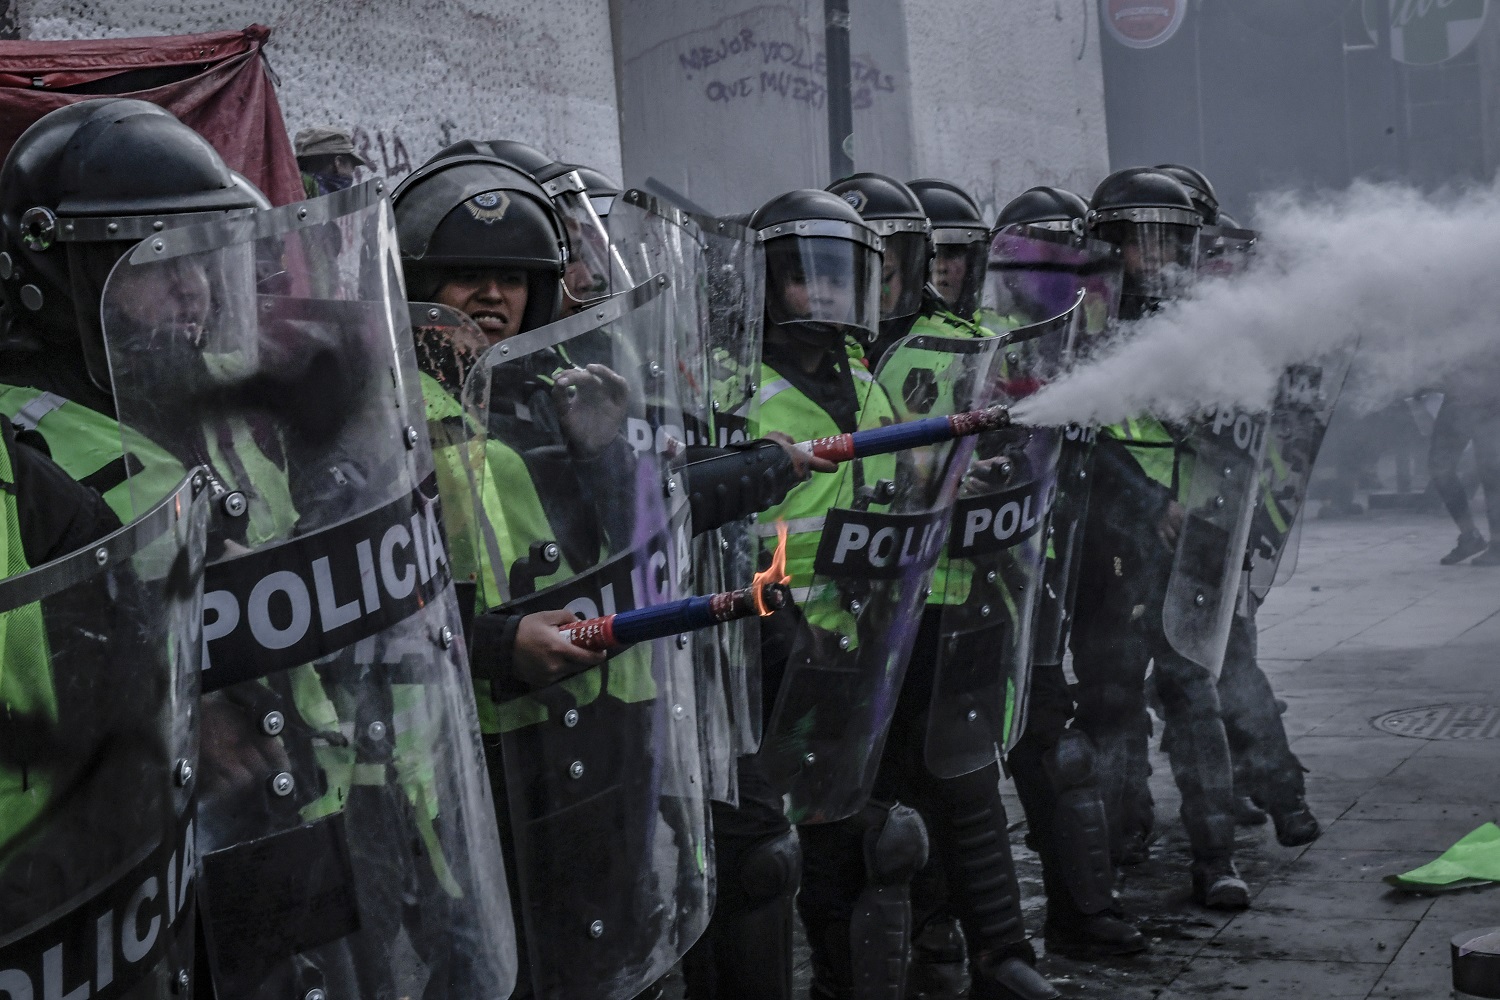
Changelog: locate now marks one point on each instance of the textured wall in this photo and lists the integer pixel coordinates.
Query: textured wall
(726, 101)
(410, 75)
(1006, 95)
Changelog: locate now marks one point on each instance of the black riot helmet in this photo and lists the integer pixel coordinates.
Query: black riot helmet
(895, 213)
(79, 188)
(1198, 188)
(602, 190)
(822, 267)
(464, 212)
(960, 240)
(1151, 218)
(592, 272)
(1047, 208)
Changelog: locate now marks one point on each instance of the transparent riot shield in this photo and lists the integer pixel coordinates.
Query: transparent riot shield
(448, 345)
(734, 265)
(1221, 471)
(1305, 401)
(346, 826)
(997, 547)
(1034, 274)
(101, 653)
(1043, 268)
(655, 238)
(603, 770)
(871, 558)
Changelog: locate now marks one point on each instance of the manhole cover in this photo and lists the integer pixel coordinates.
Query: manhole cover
(1442, 722)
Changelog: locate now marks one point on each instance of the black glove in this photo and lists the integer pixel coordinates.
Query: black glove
(726, 484)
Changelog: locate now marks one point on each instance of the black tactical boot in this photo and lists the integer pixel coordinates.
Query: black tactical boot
(1008, 979)
(1218, 886)
(1296, 826)
(938, 957)
(1247, 813)
(1470, 543)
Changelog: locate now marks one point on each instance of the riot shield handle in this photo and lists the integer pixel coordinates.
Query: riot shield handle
(543, 558)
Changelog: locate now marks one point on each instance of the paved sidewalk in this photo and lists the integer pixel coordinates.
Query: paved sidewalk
(1370, 624)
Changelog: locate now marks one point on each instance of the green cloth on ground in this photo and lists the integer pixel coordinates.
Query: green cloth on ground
(1474, 860)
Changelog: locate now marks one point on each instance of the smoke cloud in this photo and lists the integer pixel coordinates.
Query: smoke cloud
(1411, 278)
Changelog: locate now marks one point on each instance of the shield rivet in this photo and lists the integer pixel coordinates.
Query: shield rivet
(376, 730)
(315, 994)
(273, 723)
(575, 769)
(843, 642)
(926, 592)
(158, 245)
(671, 486)
(181, 981)
(1013, 358)
(1199, 600)
(234, 504)
(445, 637)
(411, 436)
(596, 929)
(112, 228)
(183, 773)
(433, 314)
(158, 226)
(655, 370)
(984, 611)
(282, 784)
(1083, 473)
(302, 214)
(1051, 531)
(677, 711)
(990, 577)
(1228, 471)
(682, 641)
(855, 607)
(1218, 501)
(570, 718)
(101, 555)
(973, 715)
(723, 544)
(809, 758)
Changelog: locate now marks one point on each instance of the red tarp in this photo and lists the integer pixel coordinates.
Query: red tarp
(219, 86)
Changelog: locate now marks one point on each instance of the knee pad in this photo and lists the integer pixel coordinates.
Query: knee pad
(895, 844)
(772, 868)
(1070, 763)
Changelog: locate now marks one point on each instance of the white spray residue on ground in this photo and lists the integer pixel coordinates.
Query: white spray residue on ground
(1415, 279)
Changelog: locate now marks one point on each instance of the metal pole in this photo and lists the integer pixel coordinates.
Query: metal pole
(840, 96)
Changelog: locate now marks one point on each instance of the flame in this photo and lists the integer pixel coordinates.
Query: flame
(772, 574)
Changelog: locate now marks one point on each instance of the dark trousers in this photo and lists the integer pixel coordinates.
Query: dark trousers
(1117, 636)
(1459, 422)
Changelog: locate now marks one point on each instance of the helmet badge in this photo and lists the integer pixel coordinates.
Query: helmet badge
(488, 207)
(856, 199)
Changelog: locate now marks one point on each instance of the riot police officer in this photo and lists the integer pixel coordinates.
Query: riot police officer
(1053, 765)
(960, 238)
(962, 811)
(1134, 520)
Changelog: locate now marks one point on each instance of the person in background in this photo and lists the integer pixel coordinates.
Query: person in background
(326, 157)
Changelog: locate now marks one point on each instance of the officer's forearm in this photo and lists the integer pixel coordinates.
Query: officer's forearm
(492, 655)
(726, 484)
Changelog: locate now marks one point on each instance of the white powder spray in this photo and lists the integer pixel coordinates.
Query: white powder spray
(1414, 279)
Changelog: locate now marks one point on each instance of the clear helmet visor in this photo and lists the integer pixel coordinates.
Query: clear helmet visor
(903, 274)
(823, 279)
(594, 270)
(1160, 259)
(958, 272)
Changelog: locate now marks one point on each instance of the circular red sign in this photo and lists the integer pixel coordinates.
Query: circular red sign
(1142, 24)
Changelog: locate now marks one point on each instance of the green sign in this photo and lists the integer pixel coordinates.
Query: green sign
(1425, 32)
